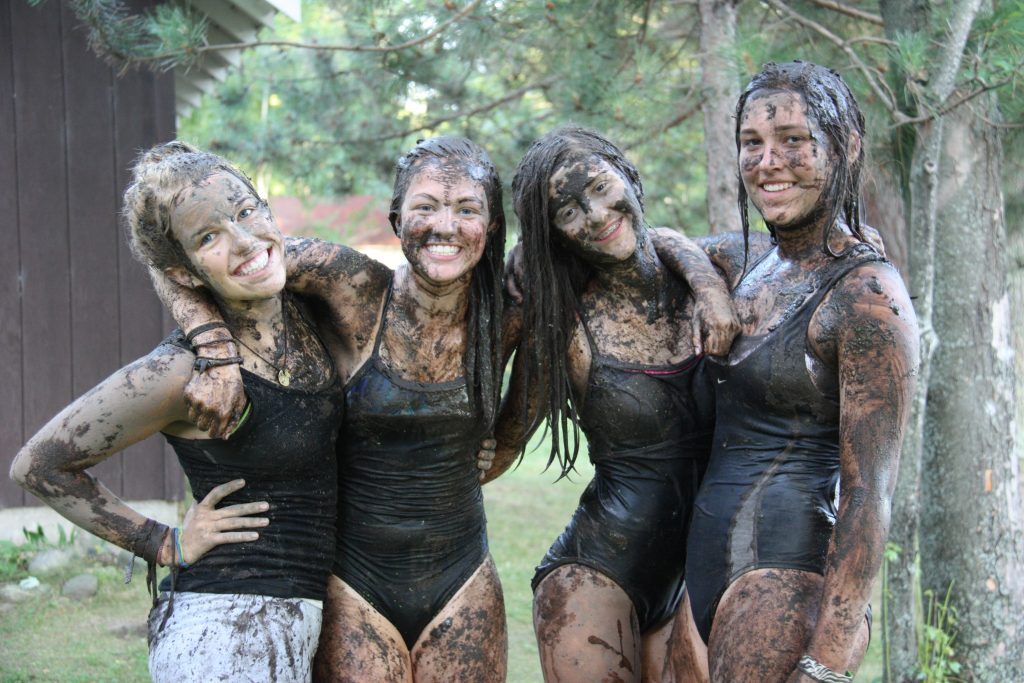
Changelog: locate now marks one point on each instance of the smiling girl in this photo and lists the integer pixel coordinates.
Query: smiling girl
(240, 603)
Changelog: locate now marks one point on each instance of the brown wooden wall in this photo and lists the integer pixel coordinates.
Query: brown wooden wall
(74, 306)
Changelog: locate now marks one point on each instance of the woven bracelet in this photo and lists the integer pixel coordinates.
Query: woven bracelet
(820, 672)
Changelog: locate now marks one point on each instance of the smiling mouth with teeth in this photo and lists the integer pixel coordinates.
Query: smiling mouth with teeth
(609, 231)
(255, 264)
(443, 249)
(776, 187)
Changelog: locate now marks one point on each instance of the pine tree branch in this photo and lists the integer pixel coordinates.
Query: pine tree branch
(434, 123)
(850, 11)
(886, 98)
(960, 101)
(191, 53)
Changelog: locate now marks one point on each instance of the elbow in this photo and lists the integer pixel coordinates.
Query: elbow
(21, 469)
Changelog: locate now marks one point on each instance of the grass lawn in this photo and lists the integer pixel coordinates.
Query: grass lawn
(103, 639)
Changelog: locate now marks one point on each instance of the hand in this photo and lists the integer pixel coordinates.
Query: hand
(485, 456)
(216, 400)
(514, 273)
(715, 323)
(874, 238)
(206, 526)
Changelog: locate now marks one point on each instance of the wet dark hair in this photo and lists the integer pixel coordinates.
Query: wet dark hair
(158, 177)
(833, 107)
(554, 277)
(483, 327)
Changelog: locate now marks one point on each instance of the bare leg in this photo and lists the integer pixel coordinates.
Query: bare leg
(687, 658)
(763, 624)
(653, 650)
(357, 643)
(468, 639)
(586, 627)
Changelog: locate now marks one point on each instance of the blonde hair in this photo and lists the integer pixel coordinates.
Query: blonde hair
(158, 177)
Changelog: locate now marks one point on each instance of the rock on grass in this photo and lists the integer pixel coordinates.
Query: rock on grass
(81, 587)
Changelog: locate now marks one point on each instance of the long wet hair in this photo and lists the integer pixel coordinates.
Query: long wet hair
(159, 175)
(482, 360)
(554, 278)
(831, 104)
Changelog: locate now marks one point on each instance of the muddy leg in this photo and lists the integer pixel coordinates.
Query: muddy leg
(763, 624)
(653, 651)
(357, 643)
(468, 639)
(687, 658)
(586, 627)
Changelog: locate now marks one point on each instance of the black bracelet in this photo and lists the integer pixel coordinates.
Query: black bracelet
(202, 363)
(205, 327)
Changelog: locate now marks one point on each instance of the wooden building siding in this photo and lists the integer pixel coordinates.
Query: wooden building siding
(74, 305)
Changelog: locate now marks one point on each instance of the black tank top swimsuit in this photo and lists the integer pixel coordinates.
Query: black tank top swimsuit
(648, 431)
(411, 527)
(285, 451)
(769, 495)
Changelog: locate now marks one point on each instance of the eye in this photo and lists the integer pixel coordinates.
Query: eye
(468, 211)
(207, 238)
(794, 139)
(423, 207)
(750, 142)
(600, 187)
(246, 212)
(566, 214)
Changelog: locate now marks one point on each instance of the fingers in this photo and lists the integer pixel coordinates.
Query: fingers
(219, 493)
(512, 286)
(489, 444)
(695, 333)
(230, 523)
(237, 537)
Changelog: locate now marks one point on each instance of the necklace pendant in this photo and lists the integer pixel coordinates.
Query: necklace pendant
(284, 378)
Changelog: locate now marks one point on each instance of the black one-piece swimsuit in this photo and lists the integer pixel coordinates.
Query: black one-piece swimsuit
(648, 431)
(411, 527)
(769, 495)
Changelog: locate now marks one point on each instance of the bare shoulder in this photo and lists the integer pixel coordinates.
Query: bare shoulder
(868, 313)
(728, 251)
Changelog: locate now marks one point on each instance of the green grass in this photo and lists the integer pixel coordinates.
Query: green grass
(56, 639)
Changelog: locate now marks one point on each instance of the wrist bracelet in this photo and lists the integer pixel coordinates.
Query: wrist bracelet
(203, 363)
(213, 342)
(205, 327)
(176, 532)
(820, 672)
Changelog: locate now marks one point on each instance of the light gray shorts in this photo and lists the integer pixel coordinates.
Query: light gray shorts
(233, 637)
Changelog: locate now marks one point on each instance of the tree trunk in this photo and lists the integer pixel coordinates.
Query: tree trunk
(971, 529)
(919, 151)
(720, 89)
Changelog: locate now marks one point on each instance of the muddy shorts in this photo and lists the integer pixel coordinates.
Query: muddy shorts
(232, 637)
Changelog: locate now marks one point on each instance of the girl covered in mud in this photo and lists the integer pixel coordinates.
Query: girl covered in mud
(250, 564)
(611, 343)
(414, 594)
(812, 401)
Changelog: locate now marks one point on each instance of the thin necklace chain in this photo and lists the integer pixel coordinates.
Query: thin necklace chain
(284, 378)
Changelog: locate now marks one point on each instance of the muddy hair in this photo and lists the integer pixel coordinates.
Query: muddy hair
(554, 278)
(831, 104)
(482, 360)
(159, 175)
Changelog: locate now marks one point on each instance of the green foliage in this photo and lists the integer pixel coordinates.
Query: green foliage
(13, 560)
(935, 654)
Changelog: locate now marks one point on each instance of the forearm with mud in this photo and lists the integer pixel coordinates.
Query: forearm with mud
(514, 428)
(688, 261)
(854, 557)
(191, 308)
(55, 472)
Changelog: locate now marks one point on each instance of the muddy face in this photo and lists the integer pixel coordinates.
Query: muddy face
(594, 209)
(784, 158)
(443, 223)
(231, 239)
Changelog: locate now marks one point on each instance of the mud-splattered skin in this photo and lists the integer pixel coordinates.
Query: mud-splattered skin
(229, 245)
(587, 627)
(864, 334)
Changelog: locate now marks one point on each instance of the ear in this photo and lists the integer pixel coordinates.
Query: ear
(853, 147)
(181, 277)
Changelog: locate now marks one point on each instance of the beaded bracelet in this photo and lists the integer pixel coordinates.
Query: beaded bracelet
(820, 672)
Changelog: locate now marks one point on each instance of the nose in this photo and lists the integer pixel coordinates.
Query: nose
(445, 223)
(244, 240)
(772, 157)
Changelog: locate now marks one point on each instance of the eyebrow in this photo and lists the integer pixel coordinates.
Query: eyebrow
(777, 129)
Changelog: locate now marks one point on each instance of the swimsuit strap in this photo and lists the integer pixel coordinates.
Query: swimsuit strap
(383, 320)
(581, 315)
(850, 259)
